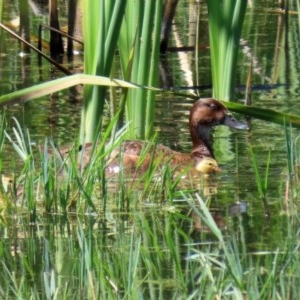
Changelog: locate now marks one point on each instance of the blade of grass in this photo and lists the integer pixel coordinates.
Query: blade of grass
(101, 27)
(232, 263)
(225, 26)
(260, 185)
(60, 84)
(264, 114)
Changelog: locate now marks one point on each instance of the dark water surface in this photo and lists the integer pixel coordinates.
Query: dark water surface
(274, 53)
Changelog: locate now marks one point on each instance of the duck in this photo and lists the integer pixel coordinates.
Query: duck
(207, 165)
(204, 167)
(205, 114)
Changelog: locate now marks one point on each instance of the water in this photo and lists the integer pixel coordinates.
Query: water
(276, 71)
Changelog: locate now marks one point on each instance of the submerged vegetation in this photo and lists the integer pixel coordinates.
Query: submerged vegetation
(69, 231)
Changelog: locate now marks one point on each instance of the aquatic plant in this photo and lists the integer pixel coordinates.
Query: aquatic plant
(225, 27)
(138, 44)
(102, 22)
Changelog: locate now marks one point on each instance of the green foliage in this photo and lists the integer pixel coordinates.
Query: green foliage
(298, 9)
(59, 84)
(262, 183)
(264, 114)
(139, 51)
(106, 22)
(139, 244)
(1, 10)
(101, 26)
(225, 26)
(75, 234)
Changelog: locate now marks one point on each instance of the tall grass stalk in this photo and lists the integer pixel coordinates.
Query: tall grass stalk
(298, 9)
(262, 183)
(134, 255)
(22, 144)
(1, 11)
(101, 25)
(140, 35)
(292, 150)
(232, 260)
(225, 27)
(289, 150)
(63, 183)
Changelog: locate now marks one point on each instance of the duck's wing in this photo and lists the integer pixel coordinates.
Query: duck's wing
(138, 155)
(201, 152)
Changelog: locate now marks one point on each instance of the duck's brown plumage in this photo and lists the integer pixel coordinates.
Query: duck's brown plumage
(204, 115)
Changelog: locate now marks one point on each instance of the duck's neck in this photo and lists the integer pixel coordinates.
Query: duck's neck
(202, 141)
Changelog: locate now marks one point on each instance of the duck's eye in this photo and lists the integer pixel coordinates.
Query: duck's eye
(213, 106)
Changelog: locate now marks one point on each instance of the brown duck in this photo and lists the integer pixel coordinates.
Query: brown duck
(204, 115)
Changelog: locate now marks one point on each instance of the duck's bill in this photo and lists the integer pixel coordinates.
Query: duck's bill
(231, 121)
(217, 169)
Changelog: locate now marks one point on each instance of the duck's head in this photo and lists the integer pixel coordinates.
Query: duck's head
(207, 113)
(207, 165)
(210, 112)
